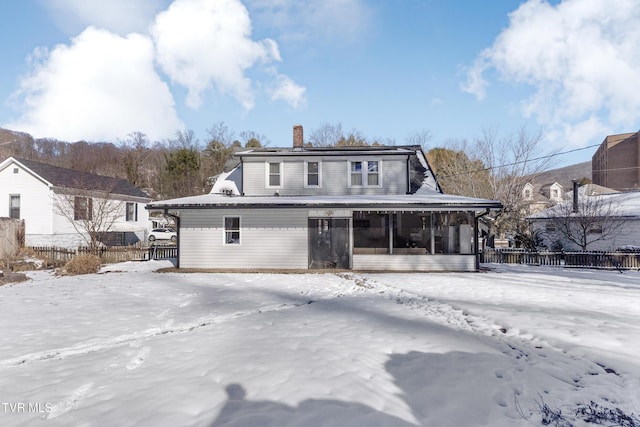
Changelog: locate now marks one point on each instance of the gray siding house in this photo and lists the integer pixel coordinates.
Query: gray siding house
(298, 208)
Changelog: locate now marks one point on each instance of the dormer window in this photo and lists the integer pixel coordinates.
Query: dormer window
(312, 171)
(527, 193)
(274, 174)
(365, 173)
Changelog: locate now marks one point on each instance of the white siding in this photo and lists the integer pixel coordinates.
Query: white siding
(414, 262)
(270, 238)
(335, 175)
(35, 199)
(629, 235)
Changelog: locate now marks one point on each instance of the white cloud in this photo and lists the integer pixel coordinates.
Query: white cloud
(100, 87)
(287, 90)
(118, 16)
(206, 45)
(581, 57)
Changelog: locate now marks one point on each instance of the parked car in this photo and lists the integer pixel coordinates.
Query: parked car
(163, 234)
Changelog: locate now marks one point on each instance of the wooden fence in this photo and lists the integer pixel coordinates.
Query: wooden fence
(55, 256)
(604, 260)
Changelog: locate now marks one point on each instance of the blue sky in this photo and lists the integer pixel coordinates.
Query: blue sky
(98, 71)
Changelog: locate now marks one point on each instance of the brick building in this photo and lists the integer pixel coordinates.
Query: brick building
(616, 163)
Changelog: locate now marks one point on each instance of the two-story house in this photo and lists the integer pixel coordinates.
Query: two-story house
(57, 203)
(361, 208)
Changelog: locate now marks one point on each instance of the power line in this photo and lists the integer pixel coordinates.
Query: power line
(520, 162)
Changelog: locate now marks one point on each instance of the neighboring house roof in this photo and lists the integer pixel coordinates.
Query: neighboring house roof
(626, 205)
(592, 189)
(432, 200)
(73, 179)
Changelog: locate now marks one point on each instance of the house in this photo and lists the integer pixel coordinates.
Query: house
(51, 200)
(297, 208)
(603, 218)
(536, 198)
(616, 163)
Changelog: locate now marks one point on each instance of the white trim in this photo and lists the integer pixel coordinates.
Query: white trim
(267, 174)
(224, 230)
(306, 174)
(364, 173)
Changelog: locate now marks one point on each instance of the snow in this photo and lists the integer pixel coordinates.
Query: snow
(134, 347)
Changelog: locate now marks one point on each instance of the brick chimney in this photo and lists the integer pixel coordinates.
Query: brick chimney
(298, 137)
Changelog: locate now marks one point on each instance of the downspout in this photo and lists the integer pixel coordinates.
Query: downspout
(475, 236)
(177, 220)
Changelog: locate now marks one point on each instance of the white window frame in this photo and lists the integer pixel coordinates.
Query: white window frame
(306, 174)
(134, 214)
(365, 173)
(12, 208)
(267, 174)
(225, 231)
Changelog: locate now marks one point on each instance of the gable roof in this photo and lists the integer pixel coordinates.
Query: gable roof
(73, 179)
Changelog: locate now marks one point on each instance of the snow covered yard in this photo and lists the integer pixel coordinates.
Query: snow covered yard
(130, 347)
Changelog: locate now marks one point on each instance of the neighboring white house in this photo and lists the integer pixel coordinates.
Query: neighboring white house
(619, 226)
(35, 191)
(361, 208)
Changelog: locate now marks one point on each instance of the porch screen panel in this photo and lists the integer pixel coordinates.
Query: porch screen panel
(370, 233)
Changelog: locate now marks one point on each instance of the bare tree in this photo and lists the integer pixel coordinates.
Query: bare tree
(513, 161)
(327, 135)
(592, 219)
(92, 214)
(421, 138)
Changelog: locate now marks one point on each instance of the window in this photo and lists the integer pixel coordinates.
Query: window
(356, 174)
(527, 193)
(16, 170)
(82, 208)
(373, 173)
(550, 227)
(312, 174)
(595, 229)
(556, 194)
(132, 211)
(365, 173)
(231, 230)
(14, 206)
(274, 175)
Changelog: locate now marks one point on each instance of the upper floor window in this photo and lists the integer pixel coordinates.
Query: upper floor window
(82, 208)
(14, 206)
(527, 193)
(274, 174)
(312, 174)
(365, 173)
(132, 211)
(555, 193)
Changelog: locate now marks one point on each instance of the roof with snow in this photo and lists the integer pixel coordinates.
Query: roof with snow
(428, 200)
(623, 204)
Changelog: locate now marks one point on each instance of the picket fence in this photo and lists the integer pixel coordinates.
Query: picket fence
(603, 260)
(56, 256)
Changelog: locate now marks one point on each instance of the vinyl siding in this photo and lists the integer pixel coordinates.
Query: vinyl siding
(414, 262)
(36, 206)
(269, 238)
(334, 176)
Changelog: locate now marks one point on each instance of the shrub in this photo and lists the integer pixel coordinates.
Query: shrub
(82, 264)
